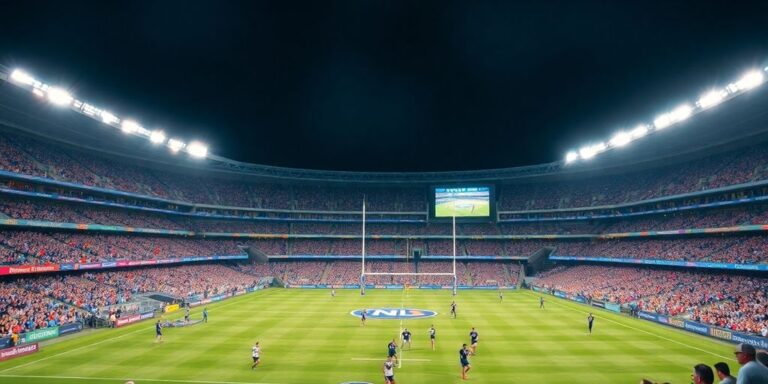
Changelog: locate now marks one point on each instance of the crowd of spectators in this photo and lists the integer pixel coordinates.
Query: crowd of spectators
(23, 154)
(742, 249)
(50, 247)
(24, 307)
(730, 301)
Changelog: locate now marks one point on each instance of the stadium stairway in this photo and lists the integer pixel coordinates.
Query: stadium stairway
(326, 271)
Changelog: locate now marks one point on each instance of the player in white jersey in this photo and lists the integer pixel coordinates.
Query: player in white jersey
(432, 333)
(255, 353)
(389, 371)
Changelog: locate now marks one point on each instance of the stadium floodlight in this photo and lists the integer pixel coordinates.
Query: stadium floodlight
(681, 113)
(89, 110)
(586, 153)
(59, 96)
(22, 77)
(620, 139)
(175, 145)
(130, 126)
(712, 98)
(109, 118)
(662, 121)
(639, 131)
(590, 151)
(38, 92)
(571, 156)
(750, 80)
(197, 149)
(157, 137)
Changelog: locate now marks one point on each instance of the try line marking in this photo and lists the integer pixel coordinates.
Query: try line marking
(134, 379)
(646, 332)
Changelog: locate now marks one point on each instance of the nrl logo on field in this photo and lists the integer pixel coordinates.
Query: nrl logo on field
(394, 313)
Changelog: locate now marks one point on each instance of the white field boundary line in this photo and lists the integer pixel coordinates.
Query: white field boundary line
(90, 345)
(116, 379)
(648, 333)
(380, 359)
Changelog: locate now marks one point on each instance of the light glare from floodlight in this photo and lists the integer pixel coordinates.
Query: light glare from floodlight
(586, 153)
(22, 77)
(130, 126)
(38, 92)
(620, 139)
(108, 118)
(157, 137)
(662, 121)
(197, 149)
(712, 98)
(681, 113)
(639, 131)
(571, 156)
(175, 145)
(59, 96)
(750, 80)
(589, 152)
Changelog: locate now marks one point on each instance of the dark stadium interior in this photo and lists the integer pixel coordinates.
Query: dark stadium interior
(102, 226)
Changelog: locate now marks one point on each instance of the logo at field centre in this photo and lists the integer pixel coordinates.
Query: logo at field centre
(394, 313)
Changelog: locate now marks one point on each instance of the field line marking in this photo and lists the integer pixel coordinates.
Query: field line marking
(76, 349)
(379, 359)
(646, 332)
(92, 344)
(134, 379)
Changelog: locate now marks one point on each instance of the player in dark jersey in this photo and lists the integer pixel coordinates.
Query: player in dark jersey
(406, 338)
(392, 350)
(464, 360)
(389, 371)
(362, 317)
(432, 336)
(158, 331)
(205, 315)
(590, 320)
(453, 309)
(501, 296)
(541, 302)
(473, 340)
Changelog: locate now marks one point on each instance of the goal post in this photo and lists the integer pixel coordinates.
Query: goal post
(364, 273)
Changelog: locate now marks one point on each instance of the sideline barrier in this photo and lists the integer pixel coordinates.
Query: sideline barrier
(171, 308)
(18, 351)
(707, 330)
(133, 319)
(39, 335)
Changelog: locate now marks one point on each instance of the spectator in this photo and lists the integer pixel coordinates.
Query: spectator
(751, 372)
(702, 374)
(724, 373)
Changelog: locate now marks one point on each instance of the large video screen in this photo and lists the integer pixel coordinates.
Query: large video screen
(462, 201)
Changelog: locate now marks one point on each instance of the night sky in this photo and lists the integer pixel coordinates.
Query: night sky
(387, 85)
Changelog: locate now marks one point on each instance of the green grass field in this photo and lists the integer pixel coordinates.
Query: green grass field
(463, 208)
(309, 337)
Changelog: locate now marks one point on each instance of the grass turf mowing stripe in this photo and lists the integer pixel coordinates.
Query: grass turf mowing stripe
(134, 379)
(644, 331)
(307, 336)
